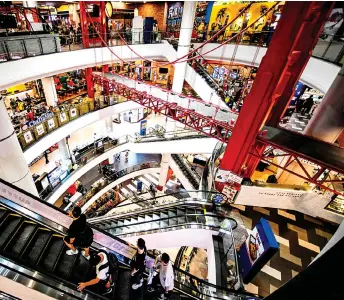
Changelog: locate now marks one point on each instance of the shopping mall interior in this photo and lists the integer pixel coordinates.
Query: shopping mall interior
(171, 150)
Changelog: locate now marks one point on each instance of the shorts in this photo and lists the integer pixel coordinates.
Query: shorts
(76, 242)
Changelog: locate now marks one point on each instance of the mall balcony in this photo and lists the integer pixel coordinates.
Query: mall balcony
(212, 130)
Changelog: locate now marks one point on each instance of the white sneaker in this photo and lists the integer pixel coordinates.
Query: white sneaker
(135, 286)
(162, 297)
(84, 255)
(71, 252)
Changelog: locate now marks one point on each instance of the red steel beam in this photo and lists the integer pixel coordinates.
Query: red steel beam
(213, 128)
(280, 69)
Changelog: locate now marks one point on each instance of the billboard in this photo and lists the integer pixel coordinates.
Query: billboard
(257, 250)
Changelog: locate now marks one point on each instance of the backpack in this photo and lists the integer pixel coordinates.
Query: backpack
(112, 264)
(86, 237)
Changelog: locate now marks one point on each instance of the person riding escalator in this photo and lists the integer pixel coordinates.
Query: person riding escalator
(79, 235)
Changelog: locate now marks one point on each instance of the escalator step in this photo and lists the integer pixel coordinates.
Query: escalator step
(81, 271)
(22, 236)
(191, 219)
(34, 249)
(65, 264)
(51, 253)
(172, 222)
(8, 226)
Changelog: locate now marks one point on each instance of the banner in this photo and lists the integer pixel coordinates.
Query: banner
(51, 123)
(228, 183)
(139, 186)
(257, 250)
(143, 127)
(174, 16)
(40, 129)
(28, 136)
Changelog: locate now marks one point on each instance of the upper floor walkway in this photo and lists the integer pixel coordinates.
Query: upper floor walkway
(319, 73)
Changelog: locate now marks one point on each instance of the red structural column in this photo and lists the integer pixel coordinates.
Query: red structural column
(100, 22)
(89, 83)
(105, 68)
(279, 71)
(84, 25)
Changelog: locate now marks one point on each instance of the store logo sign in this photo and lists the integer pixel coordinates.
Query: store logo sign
(40, 119)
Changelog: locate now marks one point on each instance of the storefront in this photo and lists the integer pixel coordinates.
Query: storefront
(224, 12)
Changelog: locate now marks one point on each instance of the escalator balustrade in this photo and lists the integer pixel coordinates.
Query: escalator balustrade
(38, 247)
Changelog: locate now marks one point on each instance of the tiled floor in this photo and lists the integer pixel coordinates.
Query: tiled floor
(297, 122)
(300, 238)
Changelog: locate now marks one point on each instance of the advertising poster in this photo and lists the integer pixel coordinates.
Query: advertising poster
(223, 13)
(28, 137)
(228, 183)
(174, 16)
(72, 112)
(143, 127)
(40, 129)
(139, 186)
(202, 16)
(63, 117)
(257, 250)
(51, 123)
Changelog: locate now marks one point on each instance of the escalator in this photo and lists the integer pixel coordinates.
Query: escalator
(35, 246)
(168, 218)
(32, 253)
(190, 175)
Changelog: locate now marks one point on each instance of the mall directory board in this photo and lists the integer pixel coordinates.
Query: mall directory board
(257, 250)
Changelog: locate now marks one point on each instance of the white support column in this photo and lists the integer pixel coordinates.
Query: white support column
(13, 166)
(165, 163)
(183, 49)
(184, 44)
(49, 91)
(63, 149)
(327, 123)
(108, 124)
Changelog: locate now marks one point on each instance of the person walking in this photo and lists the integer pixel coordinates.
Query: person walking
(138, 264)
(78, 234)
(46, 156)
(166, 276)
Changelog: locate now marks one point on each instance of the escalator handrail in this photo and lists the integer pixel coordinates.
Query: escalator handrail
(228, 290)
(211, 227)
(52, 277)
(161, 196)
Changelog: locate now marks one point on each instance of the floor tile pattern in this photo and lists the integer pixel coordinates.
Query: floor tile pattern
(300, 238)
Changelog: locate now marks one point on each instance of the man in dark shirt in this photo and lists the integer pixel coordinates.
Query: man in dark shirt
(75, 232)
(138, 263)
